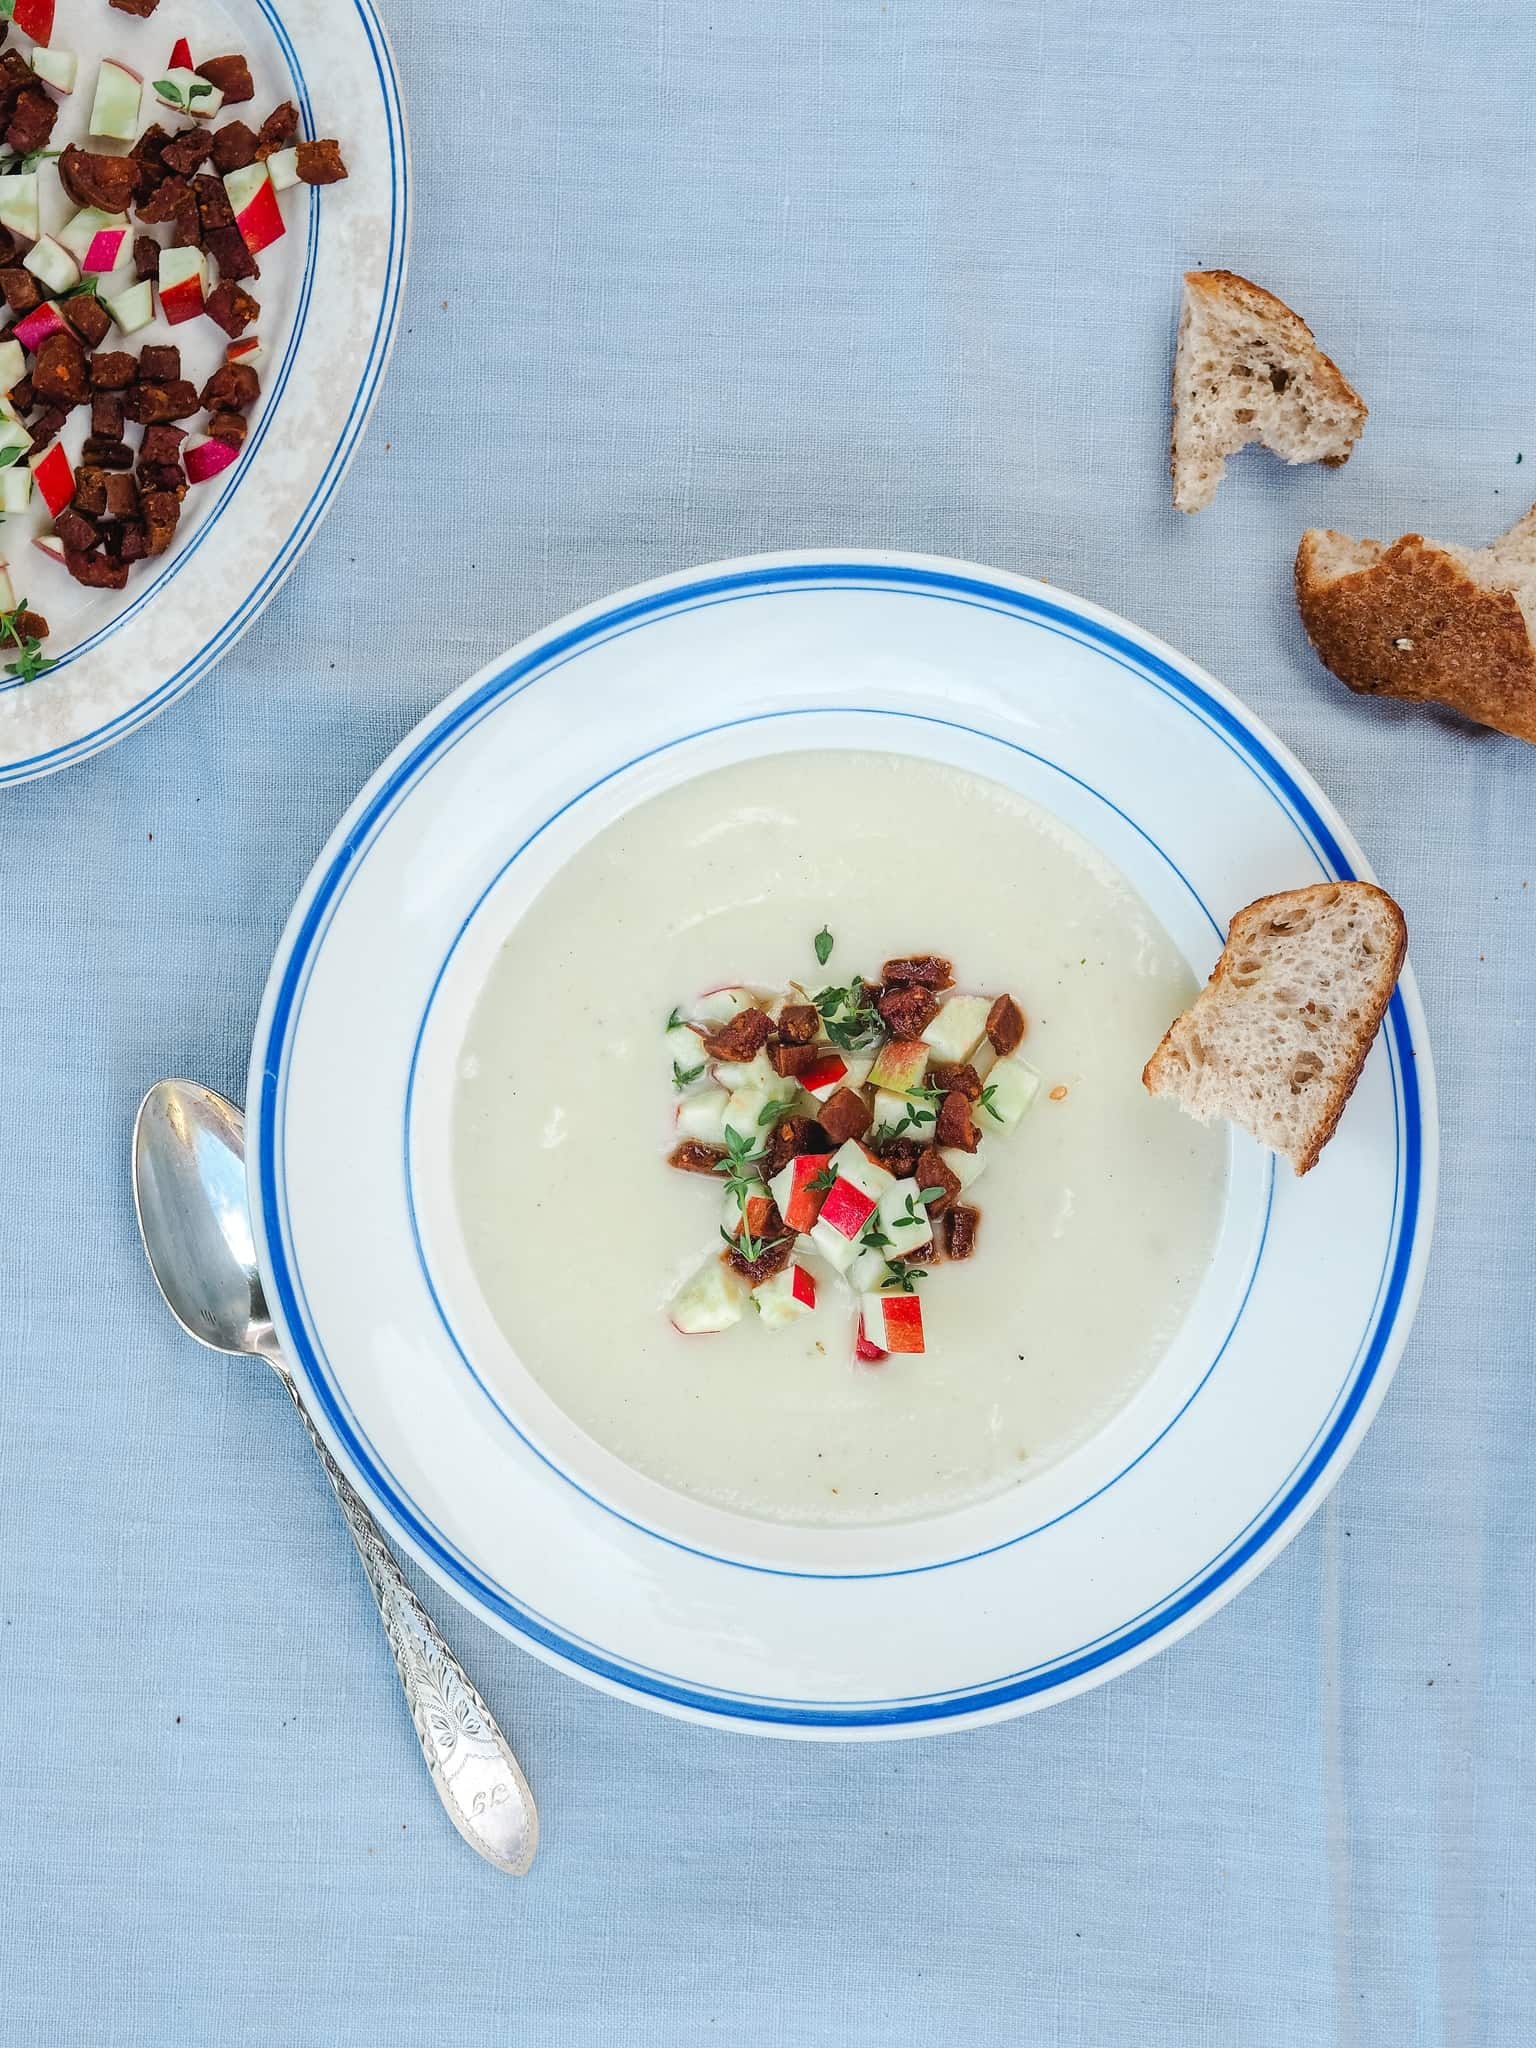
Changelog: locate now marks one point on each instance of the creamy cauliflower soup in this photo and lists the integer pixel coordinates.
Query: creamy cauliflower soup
(1088, 1213)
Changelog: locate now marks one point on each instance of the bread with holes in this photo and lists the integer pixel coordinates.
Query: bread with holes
(1428, 620)
(1276, 1039)
(1246, 368)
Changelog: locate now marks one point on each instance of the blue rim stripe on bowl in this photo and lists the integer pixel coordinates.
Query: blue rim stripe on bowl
(291, 973)
(346, 445)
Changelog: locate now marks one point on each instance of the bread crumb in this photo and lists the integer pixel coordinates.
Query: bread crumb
(1058, 1093)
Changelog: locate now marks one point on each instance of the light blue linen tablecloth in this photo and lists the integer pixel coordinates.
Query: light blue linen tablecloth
(692, 280)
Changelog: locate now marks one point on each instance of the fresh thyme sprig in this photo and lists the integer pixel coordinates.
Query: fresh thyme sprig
(682, 1076)
(849, 1017)
(823, 943)
(904, 1276)
(736, 1165)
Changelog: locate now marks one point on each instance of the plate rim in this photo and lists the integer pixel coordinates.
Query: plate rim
(355, 417)
(1276, 1523)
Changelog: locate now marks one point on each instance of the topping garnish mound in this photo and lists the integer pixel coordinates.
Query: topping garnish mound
(842, 1128)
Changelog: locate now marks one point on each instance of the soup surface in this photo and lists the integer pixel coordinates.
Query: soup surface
(1099, 1214)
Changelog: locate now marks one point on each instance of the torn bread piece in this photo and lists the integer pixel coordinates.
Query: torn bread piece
(1248, 369)
(1276, 1039)
(1428, 621)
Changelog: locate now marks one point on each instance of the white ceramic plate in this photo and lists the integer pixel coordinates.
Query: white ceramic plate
(1010, 1604)
(330, 294)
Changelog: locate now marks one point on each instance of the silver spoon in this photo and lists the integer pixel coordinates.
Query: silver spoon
(190, 1194)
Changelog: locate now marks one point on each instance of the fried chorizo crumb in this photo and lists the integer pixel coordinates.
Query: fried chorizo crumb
(954, 1126)
(1058, 1093)
(908, 1009)
(694, 1156)
(845, 1115)
(960, 1232)
(927, 970)
(1005, 1026)
(743, 1038)
(965, 1079)
(793, 1059)
(796, 1134)
(799, 1024)
(900, 1156)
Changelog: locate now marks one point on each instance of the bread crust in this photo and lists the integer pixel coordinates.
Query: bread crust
(1415, 624)
(1159, 1076)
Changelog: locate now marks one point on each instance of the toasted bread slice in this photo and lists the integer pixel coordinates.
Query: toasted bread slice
(1427, 620)
(1276, 1039)
(1247, 369)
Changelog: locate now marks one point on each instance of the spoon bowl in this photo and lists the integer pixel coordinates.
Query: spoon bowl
(190, 1197)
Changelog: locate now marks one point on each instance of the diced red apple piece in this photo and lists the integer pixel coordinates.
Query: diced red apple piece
(15, 441)
(247, 349)
(784, 1299)
(115, 108)
(205, 458)
(18, 203)
(7, 593)
(283, 169)
(800, 1203)
(844, 1214)
(15, 490)
(105, 252)
(702, 1116)
(835, 1070)
(864, 1351)
(1012, 1086)
(132, 309)
(711, 1300)
(958, 1028)
(58, 68)
(35, 329)
(899, 1065)
(13, 364)
(50, 545)
(183, 277)
(904, 1219)
(181, 55)
(51, 262)
(54, 478)
(257, 213)
(34, 18)
(892, 1320)
(82, 228)
(853, 1164)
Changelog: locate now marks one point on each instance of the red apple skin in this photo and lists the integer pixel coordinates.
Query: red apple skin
(261, 220)
(181, 302)
(181, 55)
(35, 19)
(847, 1209)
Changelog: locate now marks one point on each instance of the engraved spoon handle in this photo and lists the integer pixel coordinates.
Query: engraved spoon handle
(476, 1775)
